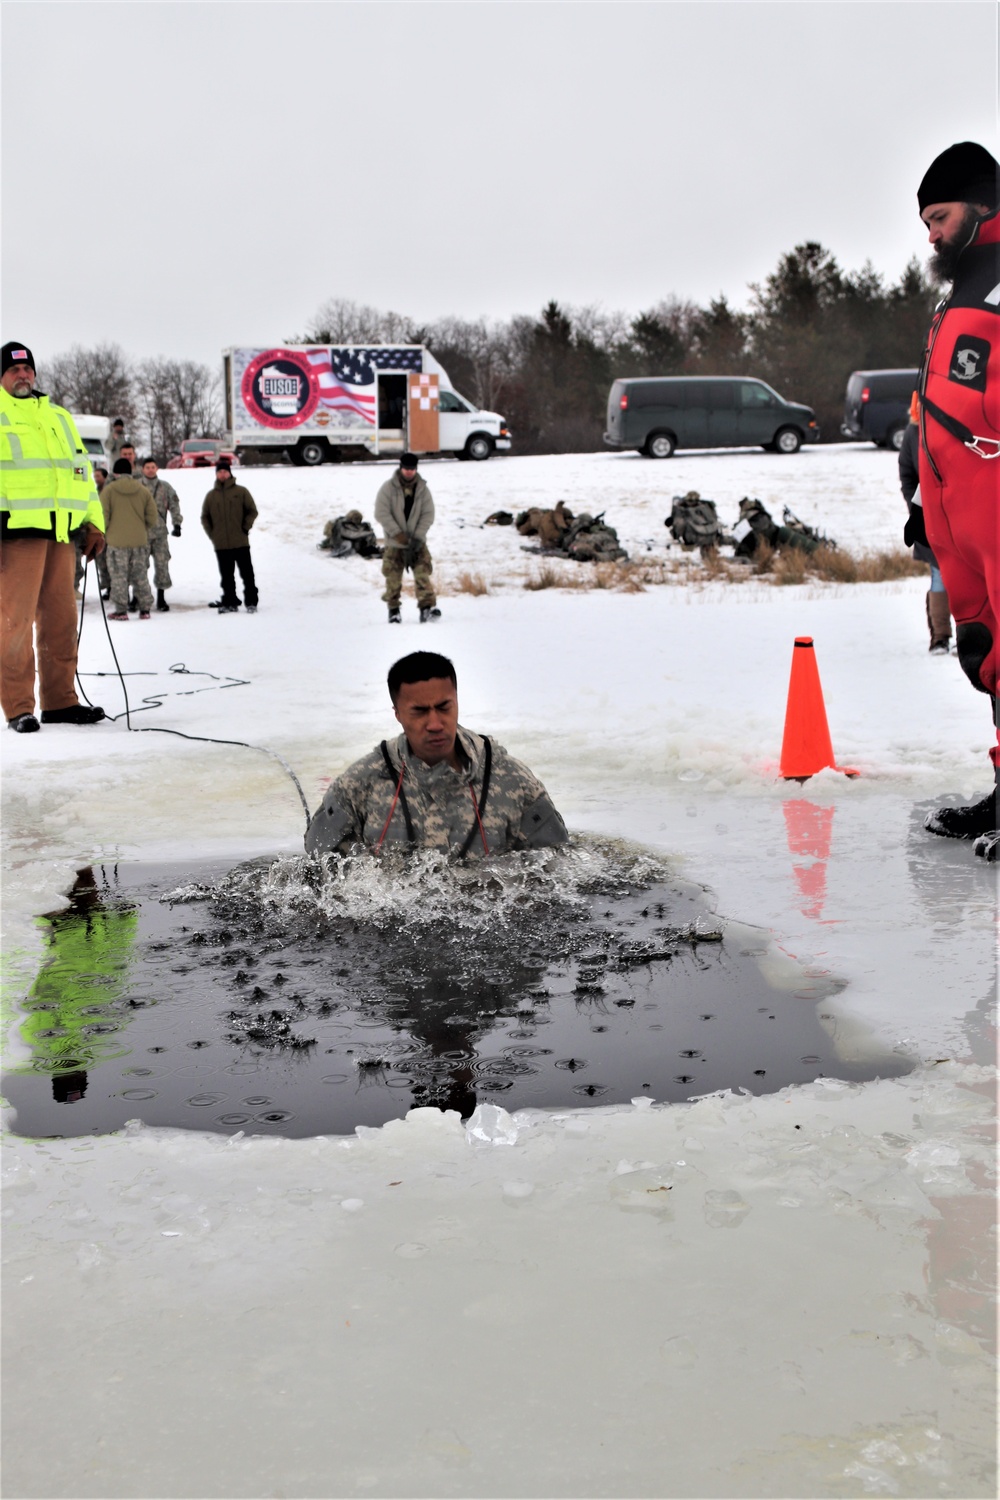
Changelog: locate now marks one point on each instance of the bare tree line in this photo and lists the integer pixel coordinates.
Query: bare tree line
(162, 401)
(805, 328)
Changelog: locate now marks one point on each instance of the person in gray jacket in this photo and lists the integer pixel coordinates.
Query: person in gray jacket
(115, 441)
(404, 508)
(166, 502)
(437, 785)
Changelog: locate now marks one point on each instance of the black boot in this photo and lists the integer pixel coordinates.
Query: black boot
(429, 612)
(965, 822)
(395, 618)
(161, 602)
(987, 846)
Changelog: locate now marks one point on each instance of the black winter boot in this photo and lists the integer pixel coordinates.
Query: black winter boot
(965, 822)
(77, 713)
(395, 618)
(161, 602)
(986, 846)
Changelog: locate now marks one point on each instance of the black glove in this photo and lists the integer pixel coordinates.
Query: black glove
(914, 530)
(176, 531)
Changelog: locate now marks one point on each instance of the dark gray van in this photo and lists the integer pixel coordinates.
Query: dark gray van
(877, 406)
(661, 414)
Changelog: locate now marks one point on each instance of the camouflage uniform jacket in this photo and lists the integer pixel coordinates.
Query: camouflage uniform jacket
(166, 500)
(435, 808)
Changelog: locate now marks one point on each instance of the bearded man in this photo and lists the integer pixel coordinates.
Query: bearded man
(960, 432)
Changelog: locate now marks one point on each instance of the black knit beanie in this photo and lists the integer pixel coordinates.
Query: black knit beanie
(15, 354)
(965, 173)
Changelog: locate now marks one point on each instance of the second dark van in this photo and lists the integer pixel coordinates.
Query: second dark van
(661, 414)
(877, 406)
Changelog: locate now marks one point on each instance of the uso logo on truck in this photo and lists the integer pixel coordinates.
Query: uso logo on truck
(280, 388)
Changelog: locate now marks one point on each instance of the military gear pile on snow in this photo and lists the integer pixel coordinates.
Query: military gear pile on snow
(347, 534)
(585, 538)
(756, 521)
(548, 525)
(694, 521)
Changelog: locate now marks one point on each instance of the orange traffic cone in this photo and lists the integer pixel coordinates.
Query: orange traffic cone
(806, 747)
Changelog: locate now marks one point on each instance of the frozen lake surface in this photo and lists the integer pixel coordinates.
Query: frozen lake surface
(785, 1294)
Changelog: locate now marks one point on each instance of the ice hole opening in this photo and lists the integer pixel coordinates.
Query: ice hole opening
(299, 998)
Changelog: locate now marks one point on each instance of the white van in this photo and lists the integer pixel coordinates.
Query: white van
(96, 433)
(321, 403)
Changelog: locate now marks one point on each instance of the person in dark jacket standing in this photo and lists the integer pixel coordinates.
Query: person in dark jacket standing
(938, 611)
(958, 200)
(227, 516)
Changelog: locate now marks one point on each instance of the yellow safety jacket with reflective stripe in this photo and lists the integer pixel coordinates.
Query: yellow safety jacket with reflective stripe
(44, 468)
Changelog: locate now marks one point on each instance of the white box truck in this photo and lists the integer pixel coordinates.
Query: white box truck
(320, 403)
(96, 434)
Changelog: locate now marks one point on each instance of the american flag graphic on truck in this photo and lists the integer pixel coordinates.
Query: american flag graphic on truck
(347, 382)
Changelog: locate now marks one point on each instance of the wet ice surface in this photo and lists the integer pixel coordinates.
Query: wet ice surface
(292, 998)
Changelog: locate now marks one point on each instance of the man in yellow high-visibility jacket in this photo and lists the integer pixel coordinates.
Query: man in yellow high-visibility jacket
(46, 495)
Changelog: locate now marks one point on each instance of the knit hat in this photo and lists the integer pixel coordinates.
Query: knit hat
(408, 460)
(122, 466)
(224, 466)
(15, 354)
(965, 173)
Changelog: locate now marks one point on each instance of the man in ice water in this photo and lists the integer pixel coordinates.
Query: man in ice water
(437, 785)
(959, 389)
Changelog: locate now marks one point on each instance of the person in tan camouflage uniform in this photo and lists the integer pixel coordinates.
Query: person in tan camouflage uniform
(437, 785)
(166, 502)
(404, 508)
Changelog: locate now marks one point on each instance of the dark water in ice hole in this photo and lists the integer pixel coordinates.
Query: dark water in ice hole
(275, 1000)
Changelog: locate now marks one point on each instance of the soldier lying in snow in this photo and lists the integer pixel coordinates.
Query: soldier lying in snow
(347, 534)
(756, 521)
(584, 537)
(437, 785)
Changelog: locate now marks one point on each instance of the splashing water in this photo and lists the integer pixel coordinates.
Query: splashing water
(427, 890)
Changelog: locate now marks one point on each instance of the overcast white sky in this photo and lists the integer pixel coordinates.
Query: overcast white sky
(181, 177)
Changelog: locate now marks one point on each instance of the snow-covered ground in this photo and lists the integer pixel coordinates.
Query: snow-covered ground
(737, 1297)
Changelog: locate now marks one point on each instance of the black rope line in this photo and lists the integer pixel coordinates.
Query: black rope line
(155, 700)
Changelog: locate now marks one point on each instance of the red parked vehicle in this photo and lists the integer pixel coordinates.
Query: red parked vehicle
(200, 453)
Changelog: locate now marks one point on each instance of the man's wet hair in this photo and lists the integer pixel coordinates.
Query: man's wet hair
(419, 666)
